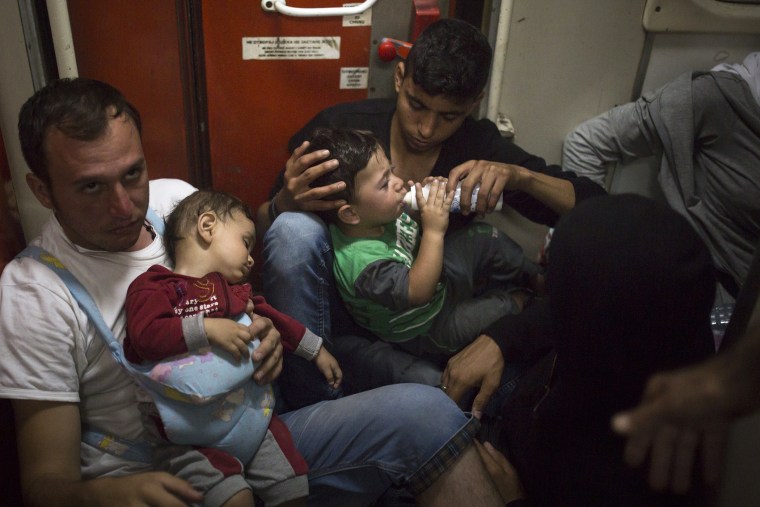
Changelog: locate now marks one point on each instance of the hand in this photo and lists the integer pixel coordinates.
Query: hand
(328, 366)
(503, 474)
(50, 470)
(300, 171)
(228, 335)
(148, 489)
(680, 412)
(434, 210)
(480, 364)
(494, 178)
(268, 355)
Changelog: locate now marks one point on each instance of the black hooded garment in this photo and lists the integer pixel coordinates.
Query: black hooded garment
(629, 291)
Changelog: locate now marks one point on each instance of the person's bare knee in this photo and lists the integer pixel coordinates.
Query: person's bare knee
(466, 482)
(243, 498)
(296, 502)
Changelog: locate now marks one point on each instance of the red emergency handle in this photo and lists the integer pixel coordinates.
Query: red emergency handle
(389, 48)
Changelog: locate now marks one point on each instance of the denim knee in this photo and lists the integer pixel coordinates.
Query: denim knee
(297, 269)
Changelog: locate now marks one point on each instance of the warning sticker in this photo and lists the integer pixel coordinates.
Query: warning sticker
(354, 78)
(291, 48)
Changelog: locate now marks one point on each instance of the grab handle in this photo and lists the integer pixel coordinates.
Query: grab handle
(304, 12)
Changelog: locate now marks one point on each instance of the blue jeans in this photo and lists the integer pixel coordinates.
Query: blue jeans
(359, 446)
(298, 280)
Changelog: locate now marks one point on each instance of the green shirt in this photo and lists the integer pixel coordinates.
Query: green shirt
(372, 276)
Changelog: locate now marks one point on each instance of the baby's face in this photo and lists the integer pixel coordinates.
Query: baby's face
(379, 197)
(231, 247)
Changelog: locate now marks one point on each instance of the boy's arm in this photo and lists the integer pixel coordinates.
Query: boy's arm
(48, 435)
(296, 338)
(427, 266)
(522, 338)
(540, 192)
(496, 177)
(301, 341)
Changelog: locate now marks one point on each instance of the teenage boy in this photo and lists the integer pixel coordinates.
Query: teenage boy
(428, 131)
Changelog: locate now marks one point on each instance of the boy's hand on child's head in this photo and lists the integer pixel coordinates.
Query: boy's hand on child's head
(435, 210)
(228, 335)
(328, 366)
(300, 171)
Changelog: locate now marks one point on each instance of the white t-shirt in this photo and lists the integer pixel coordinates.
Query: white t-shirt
(48, 349)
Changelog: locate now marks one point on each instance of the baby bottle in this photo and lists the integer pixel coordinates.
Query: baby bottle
(410, 199)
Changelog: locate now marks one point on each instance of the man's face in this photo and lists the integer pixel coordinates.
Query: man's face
(426, 121)
(98, 189)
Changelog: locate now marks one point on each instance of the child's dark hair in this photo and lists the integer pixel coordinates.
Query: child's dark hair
(185, 215)
(353, 149)
(451, 57)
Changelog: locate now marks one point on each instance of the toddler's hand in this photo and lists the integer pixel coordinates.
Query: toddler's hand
(436, 208)
(328, 366)
(228, 335)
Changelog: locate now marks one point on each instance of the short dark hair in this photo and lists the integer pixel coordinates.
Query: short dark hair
(451, 57)
(353, 149)
(79, 107)
(185, 215)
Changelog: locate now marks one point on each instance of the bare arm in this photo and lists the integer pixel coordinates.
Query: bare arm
(48, 437)
(495, 177)
(426, 268)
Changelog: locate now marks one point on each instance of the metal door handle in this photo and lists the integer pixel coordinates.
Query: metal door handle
(304, 12)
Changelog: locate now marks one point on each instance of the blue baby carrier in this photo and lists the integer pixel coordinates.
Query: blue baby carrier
(205, 398)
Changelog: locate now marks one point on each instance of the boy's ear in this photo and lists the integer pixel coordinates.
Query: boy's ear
(398, 76)
(206, 225)
(347, 215)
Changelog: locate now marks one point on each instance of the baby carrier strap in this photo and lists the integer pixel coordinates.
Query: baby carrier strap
(235, 412)
(156, 221)
(128, 449)
(81, 295)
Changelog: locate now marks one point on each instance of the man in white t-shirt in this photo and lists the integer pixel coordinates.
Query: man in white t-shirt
(82, 140)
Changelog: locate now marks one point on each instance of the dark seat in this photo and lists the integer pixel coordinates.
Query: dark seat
(10, 487)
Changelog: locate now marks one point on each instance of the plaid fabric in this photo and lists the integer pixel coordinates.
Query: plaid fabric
(444, 458)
